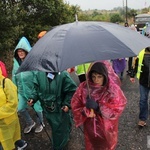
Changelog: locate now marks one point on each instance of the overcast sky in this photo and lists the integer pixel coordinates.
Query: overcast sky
(109, 4)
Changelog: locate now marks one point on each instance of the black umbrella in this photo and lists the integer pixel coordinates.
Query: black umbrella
(76, 43)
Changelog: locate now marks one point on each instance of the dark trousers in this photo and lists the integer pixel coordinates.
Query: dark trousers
(130, 63)
(82, 77)
(144, 92)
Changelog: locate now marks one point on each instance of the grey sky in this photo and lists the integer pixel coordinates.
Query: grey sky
(109, 4)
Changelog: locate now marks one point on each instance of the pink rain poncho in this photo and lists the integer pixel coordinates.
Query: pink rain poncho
(100, 132)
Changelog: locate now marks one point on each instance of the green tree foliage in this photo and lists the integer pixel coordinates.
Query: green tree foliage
(29, 17)
(132, 12)
(145, 10)
(115, 18)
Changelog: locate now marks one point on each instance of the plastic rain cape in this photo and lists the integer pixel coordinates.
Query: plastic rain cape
(101, 132)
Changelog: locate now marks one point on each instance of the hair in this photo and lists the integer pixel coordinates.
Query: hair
(17, 57)
(126, 24)
(99, 68)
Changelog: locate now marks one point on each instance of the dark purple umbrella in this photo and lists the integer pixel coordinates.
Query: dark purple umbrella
(76, 43)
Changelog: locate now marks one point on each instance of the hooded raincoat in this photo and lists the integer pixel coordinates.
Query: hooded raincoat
(53, 95)
(100, 132)
(23, 80)
(9, 122)
(3, 70)
(119, 65)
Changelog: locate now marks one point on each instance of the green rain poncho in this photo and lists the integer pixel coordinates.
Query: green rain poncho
(53, 95)
(23, 80)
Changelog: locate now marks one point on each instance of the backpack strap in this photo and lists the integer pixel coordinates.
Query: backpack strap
(3, 83)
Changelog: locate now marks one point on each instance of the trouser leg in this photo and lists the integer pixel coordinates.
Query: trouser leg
(25, 114)
(143, 103)
(39, 117)
(130, 63)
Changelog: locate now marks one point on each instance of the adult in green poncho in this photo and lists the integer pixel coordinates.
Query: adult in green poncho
(24, 84)
(55, 92)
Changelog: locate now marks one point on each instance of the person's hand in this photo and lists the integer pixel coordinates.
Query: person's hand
(92, 114)
(91, 104)
(132, 80)
(30, 102)
(65, 108)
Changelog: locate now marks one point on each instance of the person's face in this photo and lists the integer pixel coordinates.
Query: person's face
(21, 53)
(98, 78)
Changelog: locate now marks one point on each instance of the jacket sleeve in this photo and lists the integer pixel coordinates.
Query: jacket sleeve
(34, 91)
(80, 112)
(68, 89)
(15, 68)
(10, 107)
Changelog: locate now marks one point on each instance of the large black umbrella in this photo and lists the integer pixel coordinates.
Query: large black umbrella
(75, 43)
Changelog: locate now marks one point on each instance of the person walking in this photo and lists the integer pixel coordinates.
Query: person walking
(55, 90)
(24, 82)
(10, 134)
(130, 59)
(81, 71)
(142, 71)
(98, 106)
(119, 66)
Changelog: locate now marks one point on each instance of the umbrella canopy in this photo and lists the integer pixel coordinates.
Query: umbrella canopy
(76, 43)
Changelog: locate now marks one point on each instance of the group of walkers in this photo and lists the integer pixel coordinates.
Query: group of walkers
(96, 104)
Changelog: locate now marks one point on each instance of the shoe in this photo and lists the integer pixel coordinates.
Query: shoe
(39, 128)
(142, 123)
(24, 144)
(28, 128)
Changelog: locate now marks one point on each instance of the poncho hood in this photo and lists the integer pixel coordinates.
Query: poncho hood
(24, 45)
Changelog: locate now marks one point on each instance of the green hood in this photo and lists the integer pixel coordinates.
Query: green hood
(22, 44)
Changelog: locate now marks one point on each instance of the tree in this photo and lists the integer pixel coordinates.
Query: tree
(115, 18)
(27, 18)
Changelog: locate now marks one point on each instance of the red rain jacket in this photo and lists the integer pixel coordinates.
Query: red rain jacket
(101, 132)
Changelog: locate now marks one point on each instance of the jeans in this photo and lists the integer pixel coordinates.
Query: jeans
(28, 118)
(144, 91)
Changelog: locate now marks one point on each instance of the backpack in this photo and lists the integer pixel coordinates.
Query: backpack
(3, 69)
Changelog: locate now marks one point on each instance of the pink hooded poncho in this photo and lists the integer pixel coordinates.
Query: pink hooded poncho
(100, 132)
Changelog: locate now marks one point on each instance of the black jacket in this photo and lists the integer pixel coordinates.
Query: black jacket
(145, 74)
